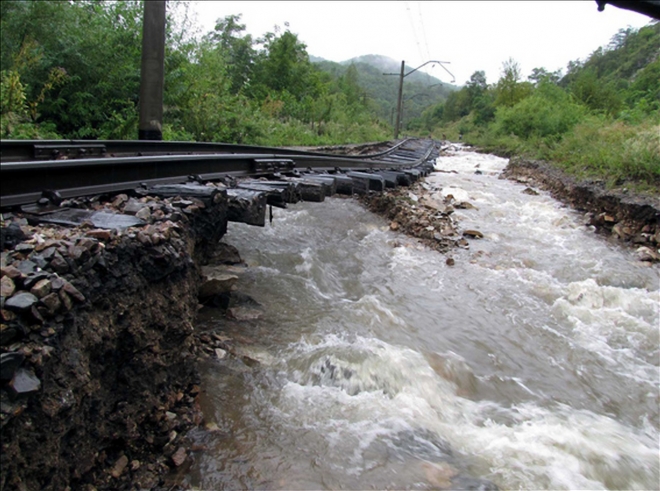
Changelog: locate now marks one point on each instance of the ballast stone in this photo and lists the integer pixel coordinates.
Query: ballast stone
(21, 302)
(25, 382)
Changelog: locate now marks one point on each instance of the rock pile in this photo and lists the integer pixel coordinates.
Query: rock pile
(420, 211)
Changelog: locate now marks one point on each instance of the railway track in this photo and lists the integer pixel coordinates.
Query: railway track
(43, 172)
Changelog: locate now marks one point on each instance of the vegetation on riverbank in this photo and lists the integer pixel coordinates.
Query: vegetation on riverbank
(600, 120)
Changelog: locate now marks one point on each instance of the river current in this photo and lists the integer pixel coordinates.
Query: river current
(532, 363)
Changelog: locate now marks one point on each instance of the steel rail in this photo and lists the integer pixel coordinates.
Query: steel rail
(26, 182)
(29, 150)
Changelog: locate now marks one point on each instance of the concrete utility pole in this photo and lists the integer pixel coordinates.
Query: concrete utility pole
(399, 101)
(152, 74)
(411, 97)
(400, 98)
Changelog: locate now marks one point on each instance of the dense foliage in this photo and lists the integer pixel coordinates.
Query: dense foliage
(72, 70)
(600, 120)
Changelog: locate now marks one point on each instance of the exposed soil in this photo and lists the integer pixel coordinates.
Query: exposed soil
(99, 380)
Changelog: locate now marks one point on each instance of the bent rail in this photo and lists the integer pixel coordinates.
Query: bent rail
(95, 167)
(43, 150)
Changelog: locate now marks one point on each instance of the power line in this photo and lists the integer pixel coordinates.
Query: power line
(414, 31)
(421, 21)
(426, 44)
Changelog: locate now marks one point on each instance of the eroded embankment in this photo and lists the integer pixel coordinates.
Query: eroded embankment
(630, 218)
(99, 381)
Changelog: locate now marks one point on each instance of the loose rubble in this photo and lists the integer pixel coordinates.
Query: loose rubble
(420, 211)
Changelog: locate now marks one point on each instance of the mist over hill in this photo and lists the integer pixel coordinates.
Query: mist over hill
(420, 89)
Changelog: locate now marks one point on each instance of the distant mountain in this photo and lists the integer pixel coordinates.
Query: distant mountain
(390, 65)
(381, 62)
(420, 90)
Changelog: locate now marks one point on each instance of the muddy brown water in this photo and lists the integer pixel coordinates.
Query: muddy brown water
(532, 363)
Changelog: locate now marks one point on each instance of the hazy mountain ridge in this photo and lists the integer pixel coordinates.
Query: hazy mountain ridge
(420, 90)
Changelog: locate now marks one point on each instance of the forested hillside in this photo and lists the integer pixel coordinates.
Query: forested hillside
(601, 119)
(420, 89)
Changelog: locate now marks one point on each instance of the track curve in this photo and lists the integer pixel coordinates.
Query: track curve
(52, 169)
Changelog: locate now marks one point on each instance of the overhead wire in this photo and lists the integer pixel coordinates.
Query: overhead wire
(426, 44)
(414, 31)
(421, 22)
(422, 28)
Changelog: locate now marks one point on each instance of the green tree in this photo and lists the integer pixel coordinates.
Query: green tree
(595, 93)
(477, 85)
(509, 89)
(350, 86)
(457, 105)
(483, 108)
(548, 113)
(644, 91)
(79, 39)
(481, 98)
(284, 65)
(540, 75)
(238, 50)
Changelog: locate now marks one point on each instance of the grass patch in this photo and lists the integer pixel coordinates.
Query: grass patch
(616, 152)
(597, 148)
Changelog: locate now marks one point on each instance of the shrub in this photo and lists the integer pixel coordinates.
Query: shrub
(549, 112)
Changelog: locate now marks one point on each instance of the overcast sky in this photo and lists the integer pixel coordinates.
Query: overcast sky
(470, 35)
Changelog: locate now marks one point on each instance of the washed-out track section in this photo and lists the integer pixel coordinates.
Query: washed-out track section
(41, 177)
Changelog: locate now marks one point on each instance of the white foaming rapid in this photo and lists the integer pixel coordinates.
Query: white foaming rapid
(620, 325)
(465, 162)
(532, 363)
(357, 391)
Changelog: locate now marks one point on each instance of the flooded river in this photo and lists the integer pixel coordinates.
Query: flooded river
(532, 363)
